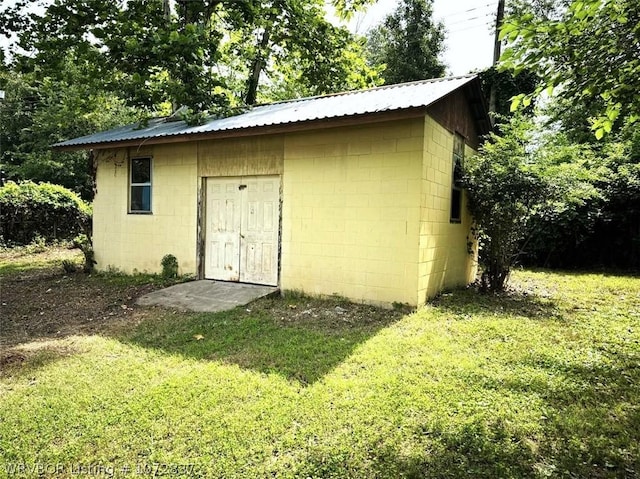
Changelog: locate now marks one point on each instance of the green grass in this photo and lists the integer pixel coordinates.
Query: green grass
(259, 337)
(32, 258)
(26, 260)
(542, 384)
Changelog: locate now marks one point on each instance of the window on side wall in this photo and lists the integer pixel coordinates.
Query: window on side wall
(456, 183)
(140, 185)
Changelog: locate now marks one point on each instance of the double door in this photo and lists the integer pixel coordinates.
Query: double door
(242, 229)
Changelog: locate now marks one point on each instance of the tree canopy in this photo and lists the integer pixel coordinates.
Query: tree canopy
(152, 55)
(79, 66)
(409, 43)
(587, 51)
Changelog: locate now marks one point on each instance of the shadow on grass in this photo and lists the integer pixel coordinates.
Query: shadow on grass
(475, 450)
(589, 427)
(590, 390)
(299, 338)
(469, 302)
(20, 362)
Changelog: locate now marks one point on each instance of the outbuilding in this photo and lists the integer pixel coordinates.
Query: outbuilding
(355, 194)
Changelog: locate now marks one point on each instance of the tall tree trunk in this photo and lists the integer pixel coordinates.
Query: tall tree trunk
(256, 69)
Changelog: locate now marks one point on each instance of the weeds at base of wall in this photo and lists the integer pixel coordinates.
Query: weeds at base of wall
(114, 275)
(169, 265)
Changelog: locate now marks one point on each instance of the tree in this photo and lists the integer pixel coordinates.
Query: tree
(153, 57)
(597, 224)
(587, 51)
(134, 48)
(409, 43)
(292, 51)
(81, 66)
(504, 191)
(37, 113)
(507, 85)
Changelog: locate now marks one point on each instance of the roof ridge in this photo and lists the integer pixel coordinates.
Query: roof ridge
(362, 90)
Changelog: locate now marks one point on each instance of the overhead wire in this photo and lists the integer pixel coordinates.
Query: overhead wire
(483, 17)
(493, 5)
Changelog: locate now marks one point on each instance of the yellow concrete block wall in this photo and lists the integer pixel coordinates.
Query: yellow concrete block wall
(258, 155)
(137, 242)
(351, 211)
(443, 247)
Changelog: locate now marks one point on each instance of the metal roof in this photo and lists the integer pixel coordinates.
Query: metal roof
(375, 100)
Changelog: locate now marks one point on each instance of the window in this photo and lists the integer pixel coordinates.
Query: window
(140, 185)
(456, 184)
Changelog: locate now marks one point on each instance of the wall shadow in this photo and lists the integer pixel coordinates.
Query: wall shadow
(299, 338)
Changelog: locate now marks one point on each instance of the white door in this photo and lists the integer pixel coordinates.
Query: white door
(243, 229)
(222, 251)
(259, 230)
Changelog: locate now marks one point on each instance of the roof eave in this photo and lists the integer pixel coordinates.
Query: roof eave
(350, 120)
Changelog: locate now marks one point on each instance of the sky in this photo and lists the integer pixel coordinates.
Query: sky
(469, 25)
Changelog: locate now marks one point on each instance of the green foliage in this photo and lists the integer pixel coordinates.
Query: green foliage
(346, 8)
(586, 51)
(408, 43)
(153, 58)
(169, 265)
(585, 205)
(38, 112)
(598, 224)
(135, 49)
(589, 211)
(69, 266)
(84, 244)
(29, 210)
(81, 66)
(291, 50)
(504, 190)
(307, 74)
(507, 85)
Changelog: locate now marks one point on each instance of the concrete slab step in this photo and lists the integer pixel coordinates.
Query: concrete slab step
(206, 295)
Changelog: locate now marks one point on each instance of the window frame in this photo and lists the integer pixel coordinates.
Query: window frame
(456, 185)
(131, 185)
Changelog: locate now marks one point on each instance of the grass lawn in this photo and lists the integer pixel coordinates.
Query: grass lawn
(543, 382)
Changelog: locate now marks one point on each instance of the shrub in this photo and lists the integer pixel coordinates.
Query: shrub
(504, 189)
(69, 266)
(169, 266)
(83, 242)
(52, 212)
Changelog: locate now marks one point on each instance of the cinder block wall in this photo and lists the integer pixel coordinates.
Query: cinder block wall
(351, 211)
(131, 242)
(443, 259)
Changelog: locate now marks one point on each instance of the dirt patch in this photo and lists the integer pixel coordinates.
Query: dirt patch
(24, 357)
(38, 301)
(46, 303)
(327, 314)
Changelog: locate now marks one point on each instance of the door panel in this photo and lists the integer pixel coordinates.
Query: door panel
(223, 213)
(259, 239)
(242, 229)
